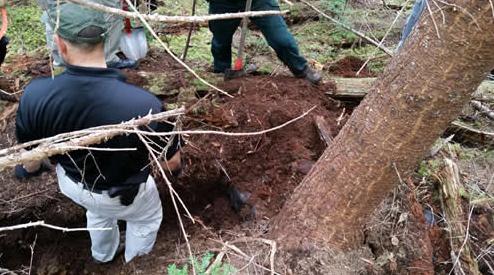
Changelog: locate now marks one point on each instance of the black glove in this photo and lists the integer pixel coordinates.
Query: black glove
(127, 193)
(21, 173)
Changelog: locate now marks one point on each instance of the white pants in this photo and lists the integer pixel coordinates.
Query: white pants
(143, 218)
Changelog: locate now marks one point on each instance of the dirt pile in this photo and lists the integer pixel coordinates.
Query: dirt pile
(268, 167)
(348, 67)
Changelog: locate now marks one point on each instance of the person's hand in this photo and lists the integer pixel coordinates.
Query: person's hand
(23, 172)
(173, 165)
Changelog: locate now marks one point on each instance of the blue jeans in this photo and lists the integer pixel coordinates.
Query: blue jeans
(273, 28)
(412, 20)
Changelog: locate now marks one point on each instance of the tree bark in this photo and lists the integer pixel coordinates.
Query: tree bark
(421, 91)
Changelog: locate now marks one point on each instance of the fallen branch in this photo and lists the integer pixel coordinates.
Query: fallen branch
(358, 33)
(43, 224)
(82, 138)
(66, 142)
(4, 271)
(459, 236)
(470, 135)
(477, 105)
(174, 19)
(356, 89)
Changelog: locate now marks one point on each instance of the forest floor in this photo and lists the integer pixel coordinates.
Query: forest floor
(406, 235)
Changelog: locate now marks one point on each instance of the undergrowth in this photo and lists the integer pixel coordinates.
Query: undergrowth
(201, 266)
(26, 31)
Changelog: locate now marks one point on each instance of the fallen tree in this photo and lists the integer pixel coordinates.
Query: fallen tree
(422, 90)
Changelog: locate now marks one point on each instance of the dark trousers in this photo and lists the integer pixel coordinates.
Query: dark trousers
(273, 28)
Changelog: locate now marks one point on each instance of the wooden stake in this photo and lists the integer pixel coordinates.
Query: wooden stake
(189, 35)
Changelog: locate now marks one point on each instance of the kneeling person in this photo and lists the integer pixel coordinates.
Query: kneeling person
(110, 185)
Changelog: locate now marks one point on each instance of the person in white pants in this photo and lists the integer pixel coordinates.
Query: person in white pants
(111, 185)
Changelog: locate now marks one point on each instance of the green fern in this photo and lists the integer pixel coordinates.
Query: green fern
(201, 266)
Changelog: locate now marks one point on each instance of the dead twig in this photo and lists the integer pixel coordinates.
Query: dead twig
(174, 19)
(11, 156)
(172, 195)
(43, 224)
(32, 253)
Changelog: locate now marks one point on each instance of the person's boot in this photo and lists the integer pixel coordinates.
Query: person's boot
(311, 75)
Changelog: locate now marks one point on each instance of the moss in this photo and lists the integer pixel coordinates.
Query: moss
(430, 167)
(159, 85)
(315, 40)
(26, 31)
(199, 50)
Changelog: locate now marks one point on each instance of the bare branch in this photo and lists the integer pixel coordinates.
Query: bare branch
(174, 19)
(45, 150)
(91, 136)
(43, 224)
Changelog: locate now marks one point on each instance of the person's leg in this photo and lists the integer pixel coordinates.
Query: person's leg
(412, 20)
(143, 221)
(104, 244)
(279, 37)
(52, 47)
(112, 41)
(223, 30)
(100, 213)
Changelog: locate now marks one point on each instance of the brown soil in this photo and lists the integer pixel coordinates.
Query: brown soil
(267, 166)
(348, 67)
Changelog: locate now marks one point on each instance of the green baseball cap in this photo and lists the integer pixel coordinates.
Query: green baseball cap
(79, 24)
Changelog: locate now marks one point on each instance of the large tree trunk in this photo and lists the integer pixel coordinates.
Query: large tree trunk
(421, 91)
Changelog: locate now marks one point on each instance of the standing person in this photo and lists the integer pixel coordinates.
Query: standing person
(110, 185)
(273, 28)
(112, 43)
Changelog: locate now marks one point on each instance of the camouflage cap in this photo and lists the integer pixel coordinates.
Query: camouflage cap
(78, 24)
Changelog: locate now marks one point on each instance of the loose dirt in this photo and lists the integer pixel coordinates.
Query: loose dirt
(348, 67)
(267, 167)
